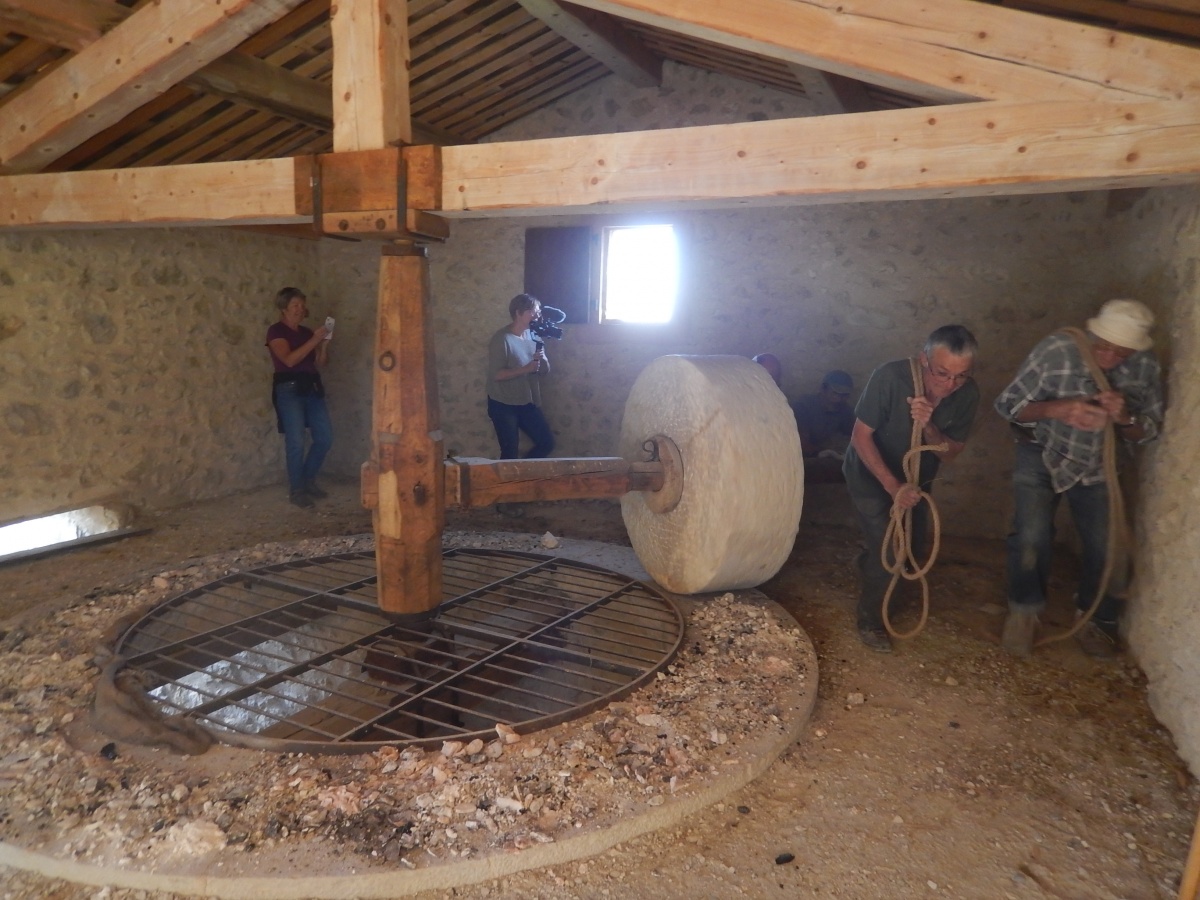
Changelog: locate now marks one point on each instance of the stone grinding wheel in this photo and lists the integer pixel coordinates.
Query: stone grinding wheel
(738, 476)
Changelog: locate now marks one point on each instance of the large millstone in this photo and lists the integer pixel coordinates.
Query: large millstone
(729, 515)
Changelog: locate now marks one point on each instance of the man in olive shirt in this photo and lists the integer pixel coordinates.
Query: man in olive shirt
(882, 435)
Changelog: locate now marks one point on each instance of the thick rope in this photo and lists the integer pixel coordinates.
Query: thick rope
(901, 561)
(1118, 527)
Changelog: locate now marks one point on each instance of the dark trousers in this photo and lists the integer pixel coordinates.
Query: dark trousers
(1031, 542)
(873, 514)
(509, 421)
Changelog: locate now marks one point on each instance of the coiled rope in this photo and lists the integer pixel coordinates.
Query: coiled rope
(1118, 527)
(896, 553)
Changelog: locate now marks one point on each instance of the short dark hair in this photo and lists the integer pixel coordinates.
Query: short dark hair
(520, 303)
(955, 338)
(287, 295)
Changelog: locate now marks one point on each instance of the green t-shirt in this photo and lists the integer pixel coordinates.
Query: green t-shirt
(883, 407)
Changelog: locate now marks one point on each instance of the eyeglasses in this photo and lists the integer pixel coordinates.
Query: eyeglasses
(1103, 346)
(943, 375)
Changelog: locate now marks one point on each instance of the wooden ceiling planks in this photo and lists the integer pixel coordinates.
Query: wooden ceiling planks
(477, 65)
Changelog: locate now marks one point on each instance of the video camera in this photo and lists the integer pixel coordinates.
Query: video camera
(546, 325)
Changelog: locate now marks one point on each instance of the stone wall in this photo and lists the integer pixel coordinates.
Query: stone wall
(822, 287)
(1163, 627)
(132, 365)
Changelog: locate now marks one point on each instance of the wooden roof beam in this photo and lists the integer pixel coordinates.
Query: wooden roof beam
(268, 191)
(367, 193)
(601, 37)
(75, 24)
(156, 47)
(964, 150)
(967, 150)
(946, 51)
(70, 24)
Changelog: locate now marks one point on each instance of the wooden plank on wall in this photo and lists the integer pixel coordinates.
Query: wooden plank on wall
(259, 192)
(947, 51)
(952, 151)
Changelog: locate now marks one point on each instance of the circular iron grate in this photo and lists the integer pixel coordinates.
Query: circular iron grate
(298, 657)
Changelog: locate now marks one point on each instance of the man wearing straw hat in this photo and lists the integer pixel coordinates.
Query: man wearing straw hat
(1061, 407)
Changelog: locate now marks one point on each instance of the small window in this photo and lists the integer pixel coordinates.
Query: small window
(641, 274)
(34, 537)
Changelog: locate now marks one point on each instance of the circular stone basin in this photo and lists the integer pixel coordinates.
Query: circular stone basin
(238, 823)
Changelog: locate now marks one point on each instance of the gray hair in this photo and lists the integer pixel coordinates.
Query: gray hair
(955, 338)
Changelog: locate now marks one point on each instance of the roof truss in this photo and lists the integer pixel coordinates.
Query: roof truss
(1071, 107)
(154, 48)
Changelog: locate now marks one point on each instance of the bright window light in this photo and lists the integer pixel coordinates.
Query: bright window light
(63, 528)
(641, 274)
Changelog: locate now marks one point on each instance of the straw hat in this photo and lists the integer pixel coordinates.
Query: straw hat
(1125, 323)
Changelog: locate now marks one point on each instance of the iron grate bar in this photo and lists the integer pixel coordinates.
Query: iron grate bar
(300, 649)
(497, 653)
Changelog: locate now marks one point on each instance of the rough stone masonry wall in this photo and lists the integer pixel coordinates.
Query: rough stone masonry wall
(846, 286)
(1164, 627)
(132, 366)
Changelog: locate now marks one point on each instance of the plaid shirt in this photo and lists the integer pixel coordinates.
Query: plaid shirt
(1054, 370)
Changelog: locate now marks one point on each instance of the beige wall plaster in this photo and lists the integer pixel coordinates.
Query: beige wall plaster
(1163, 625)
(132, 365)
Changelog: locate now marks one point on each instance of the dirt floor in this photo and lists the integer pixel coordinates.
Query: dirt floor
(944, 769)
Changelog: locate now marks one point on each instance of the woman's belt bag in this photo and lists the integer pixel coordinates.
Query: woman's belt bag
(307, 383)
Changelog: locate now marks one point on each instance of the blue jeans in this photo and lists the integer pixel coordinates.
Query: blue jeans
(874, 513)
(509, 421)
(1031, 543)
(296, 412)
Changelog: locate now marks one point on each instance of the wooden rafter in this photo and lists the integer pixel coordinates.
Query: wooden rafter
(158, 46)
(601, 37)
(1119, 13)
(71, 24)
(946, 51)
(74, 24)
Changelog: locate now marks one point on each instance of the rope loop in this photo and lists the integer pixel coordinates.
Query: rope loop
(896, 553)
(1119, 540)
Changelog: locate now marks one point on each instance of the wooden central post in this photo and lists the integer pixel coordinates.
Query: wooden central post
(406, 464)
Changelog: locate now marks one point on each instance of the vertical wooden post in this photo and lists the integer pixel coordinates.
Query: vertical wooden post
(407, 443)
(370, 74)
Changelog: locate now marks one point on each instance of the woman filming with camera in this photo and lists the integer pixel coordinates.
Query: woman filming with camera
(516, 362)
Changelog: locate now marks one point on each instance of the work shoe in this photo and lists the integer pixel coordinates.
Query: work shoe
(310, 488)
(1096, 640)
(1019, 629)
(301, 499)
(876, 638)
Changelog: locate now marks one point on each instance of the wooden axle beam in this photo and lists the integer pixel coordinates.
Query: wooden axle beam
(473, 483)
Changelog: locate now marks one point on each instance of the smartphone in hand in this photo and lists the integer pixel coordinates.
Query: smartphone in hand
(328, 327)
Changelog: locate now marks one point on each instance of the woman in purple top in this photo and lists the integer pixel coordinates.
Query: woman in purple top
(298, 395)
